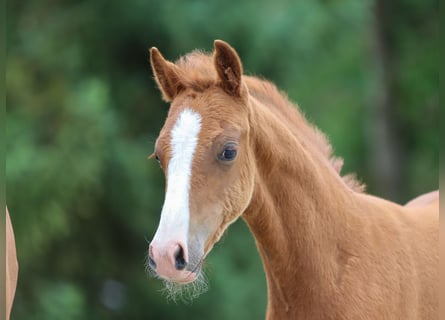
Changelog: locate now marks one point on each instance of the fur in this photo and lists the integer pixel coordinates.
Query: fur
(329, 250)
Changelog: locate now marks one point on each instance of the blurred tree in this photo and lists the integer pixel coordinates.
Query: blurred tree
(407, 91)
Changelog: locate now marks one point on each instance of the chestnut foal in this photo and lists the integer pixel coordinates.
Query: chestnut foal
(233, 146)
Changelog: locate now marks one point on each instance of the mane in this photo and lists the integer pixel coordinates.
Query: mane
(196, 71)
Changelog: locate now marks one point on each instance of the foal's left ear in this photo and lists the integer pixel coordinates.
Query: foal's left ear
(229, 68)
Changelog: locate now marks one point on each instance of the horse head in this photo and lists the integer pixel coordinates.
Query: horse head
(204, 151)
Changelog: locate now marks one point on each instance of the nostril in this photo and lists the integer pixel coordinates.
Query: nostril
(180, 262)
(151, 261)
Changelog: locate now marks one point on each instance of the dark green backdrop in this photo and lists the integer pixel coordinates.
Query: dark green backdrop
(83, 113)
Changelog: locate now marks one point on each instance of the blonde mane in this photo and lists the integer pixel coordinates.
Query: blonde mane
(196, 71)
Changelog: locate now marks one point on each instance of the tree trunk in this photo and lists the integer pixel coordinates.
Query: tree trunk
(384, 138)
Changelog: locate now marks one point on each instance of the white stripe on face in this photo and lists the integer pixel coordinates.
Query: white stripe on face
(175, 213)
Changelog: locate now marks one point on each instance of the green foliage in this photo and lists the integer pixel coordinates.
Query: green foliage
(83, 114)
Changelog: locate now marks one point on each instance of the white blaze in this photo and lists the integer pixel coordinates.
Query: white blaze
(175, 215)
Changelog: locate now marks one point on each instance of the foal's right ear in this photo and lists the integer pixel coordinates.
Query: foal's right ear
(166, 75)
(228, 66)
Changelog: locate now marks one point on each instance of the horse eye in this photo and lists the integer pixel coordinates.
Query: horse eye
(157, 159)
(229, 153)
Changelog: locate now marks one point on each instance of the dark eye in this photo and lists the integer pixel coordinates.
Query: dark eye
(156, 157)
(229, 152)
(158, 160)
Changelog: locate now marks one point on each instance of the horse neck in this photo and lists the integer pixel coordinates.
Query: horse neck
(297, 213)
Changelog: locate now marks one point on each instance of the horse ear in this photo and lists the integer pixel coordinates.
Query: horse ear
(228, 66)
(166, 75)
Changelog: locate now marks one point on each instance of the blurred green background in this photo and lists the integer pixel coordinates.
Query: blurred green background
(83, 113)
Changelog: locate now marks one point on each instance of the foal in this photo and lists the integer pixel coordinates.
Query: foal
(233, 146)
